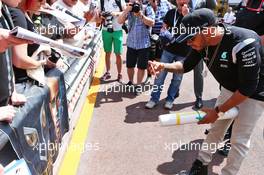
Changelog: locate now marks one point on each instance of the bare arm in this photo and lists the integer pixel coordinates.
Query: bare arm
(116, 13)
(98, 18)
(16, 98)
(146, 20)
(211, 114)
(7, 113)
(175, 67)
(8, 40)
(191, 60)
(123, 16)
(22, 60)
(233, 101)
(158, 67)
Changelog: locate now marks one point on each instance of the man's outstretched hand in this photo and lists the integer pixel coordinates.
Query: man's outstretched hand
(18, 99)
(7, 40)
(155, 68)
(211, 116)
(7, 113)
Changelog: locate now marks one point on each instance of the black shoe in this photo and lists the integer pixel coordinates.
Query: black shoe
(198, 103)
(198, 168)
(129, 87)
(148, 80)
(177, 94)
(138, 90)
(225, 149)
(206, 132)
(129, 84)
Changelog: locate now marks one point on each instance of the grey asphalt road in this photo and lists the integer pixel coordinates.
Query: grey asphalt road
(130, 141)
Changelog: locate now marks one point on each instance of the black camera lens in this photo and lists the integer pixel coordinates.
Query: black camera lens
(105, 14)
(55, 56)
(110, 30)
(109, 24)
(135, 7)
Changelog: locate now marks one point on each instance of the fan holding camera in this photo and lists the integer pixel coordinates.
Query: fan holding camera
(140, 20)
(172, 51)
(112, 34)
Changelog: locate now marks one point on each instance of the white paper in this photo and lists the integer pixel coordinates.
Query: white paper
(17, 167)
(36, 38)
(60, 15)
(191, 117)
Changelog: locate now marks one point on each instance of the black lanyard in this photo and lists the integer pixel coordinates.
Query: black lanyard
(7, 17)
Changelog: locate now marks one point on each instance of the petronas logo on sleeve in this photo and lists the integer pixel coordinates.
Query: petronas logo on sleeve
(224, 55)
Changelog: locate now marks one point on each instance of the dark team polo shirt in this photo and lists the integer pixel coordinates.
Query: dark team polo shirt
(6, 71)
(239, 62)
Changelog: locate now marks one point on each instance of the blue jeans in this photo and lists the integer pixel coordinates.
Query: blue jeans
(173, 90)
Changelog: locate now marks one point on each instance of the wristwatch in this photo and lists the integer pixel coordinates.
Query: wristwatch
(219, 113)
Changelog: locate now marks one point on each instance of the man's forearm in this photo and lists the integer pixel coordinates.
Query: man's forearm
(122, 18)
(233, 101)
(147, 21)
(176, 67)
(116, 13)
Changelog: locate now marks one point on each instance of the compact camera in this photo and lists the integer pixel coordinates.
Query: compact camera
(55, 56)
(135, 7)
(108, 21)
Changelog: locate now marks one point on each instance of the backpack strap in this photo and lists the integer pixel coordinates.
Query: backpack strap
(118, 3)
(102, 5)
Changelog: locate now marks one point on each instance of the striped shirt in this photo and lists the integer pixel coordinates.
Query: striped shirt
(162, 8)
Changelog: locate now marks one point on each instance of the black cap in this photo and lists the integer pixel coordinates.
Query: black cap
(194, 22)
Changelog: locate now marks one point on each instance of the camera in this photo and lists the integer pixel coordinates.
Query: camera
(108, 21)
(55, 56)
(135, 7)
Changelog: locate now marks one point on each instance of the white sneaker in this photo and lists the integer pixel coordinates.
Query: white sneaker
(148, 80)
(168, 105)
(150, 104)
